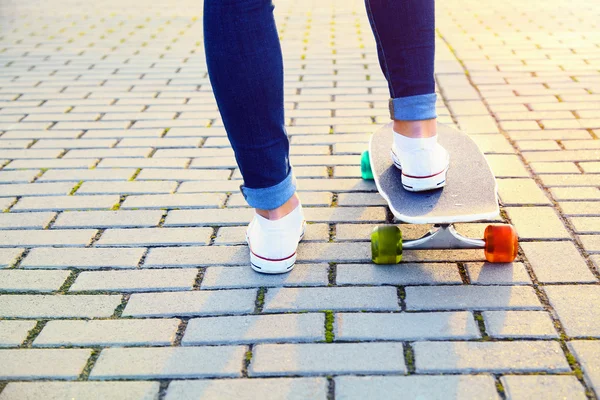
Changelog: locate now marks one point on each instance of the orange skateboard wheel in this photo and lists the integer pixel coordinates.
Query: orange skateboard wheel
(501, 243)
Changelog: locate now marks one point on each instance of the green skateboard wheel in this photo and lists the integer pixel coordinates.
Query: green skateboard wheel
(365, 166)
(386, 245)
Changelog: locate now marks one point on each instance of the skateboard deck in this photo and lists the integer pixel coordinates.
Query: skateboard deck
(470, 193)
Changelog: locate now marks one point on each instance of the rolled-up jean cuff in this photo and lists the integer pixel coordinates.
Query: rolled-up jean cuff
(271, 197)
(413, 108)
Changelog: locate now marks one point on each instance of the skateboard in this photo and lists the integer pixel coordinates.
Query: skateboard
(470, 195)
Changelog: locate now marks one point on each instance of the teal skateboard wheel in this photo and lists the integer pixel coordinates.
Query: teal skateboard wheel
(365, 166)
(386, 245)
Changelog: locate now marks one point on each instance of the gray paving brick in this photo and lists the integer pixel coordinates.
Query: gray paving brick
(25, 220)
(25, 176)
(334, 298)
(31, 238)
(109, 219)
(345, 214)
(154, 174)
(36, 189)
(205, 302)
(155, 237)
(6, 202)
(13, 333)
(31, 281)
(107, 153)
(26, 364)
(226, 216)
(537, 223)
(77, 175)
(471, 298)
(237, 234)
(514, 324)
(173, 362)
(80, 390)
(74, 144)
(129, 332)
(8, 256)
(542, 387)
(160, 142)
(405, 326)
(308, 199)
(327, 358)
(38, 134)
(361, 199)
(572, 304)
(121, 188)
(25, 154)
(55, 306)
(555, 262)
(86, 258)
(255, 329)
(61, 203)
(136, 280)
(486, 273)
(52, 163)
(199, 200)
(588, 353)
(196, 256)
(244, 277)
(208, 187)
(402, 274)
(338, 252)
(522, 356)
(415, 387)
(249, 389)
(143, 163)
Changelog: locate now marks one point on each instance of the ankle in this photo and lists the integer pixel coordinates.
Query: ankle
(416, 129)
(282, 211)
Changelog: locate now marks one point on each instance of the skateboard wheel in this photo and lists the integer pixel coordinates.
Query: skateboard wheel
(501, 243)
(365, 166)
(386, 245)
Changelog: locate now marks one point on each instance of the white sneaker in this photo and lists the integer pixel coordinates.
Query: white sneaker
(273, 244)
(423, 161)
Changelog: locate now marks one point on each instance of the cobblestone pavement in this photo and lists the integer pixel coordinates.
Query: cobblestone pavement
(122, 265)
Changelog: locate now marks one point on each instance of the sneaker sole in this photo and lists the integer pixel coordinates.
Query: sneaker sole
(421, 184)
(266, 266)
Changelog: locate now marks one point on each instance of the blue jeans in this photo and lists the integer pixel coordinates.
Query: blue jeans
(245, 68)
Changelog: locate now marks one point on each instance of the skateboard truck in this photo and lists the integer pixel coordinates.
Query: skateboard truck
(443, 236)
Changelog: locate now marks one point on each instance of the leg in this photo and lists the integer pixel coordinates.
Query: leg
(245, 67)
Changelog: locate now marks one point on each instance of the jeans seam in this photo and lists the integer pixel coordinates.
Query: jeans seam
(376, 32)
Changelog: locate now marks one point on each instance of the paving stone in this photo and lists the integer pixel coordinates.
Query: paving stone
(471, 298)
(31, 281)
(327, 358)
(122, 188)
(405, 326)
(9, 256)
(572, 304)
(35, 238)
(170, 362)
(244, 277)
(580, 207)
(208, 187)
(575, 193)
(516, 324)
(252, 329)
(6, 202)
(36, 189)
(586, 224)
(155, 237)
(562, 155)
(17, 176)
(591, 243)
(61, 203)
(522, 356)
(77, 175)
(86, 258)
(521, 191)
(570, 180)
(345, 214)
(160, 201)
(542, 387)
(333, 298)
(13, 333)
(401, 274)
(415, 387)
(143, 163)
(249, 389)
(74, 144)
(25, 154)
(26, 364)
(136, 280)
(128, 332)
(25, 220)
(154, 174)
(554, 167)
(109, 219)
(537, 223)
(486, 273)
(80, 390)
(361, 199)
(60, 163)
(506, 166)
(240, 301)
(307, 198)
(555, 262)
(55, 306)
(209, 217)
(587, 353)
(196, 256)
